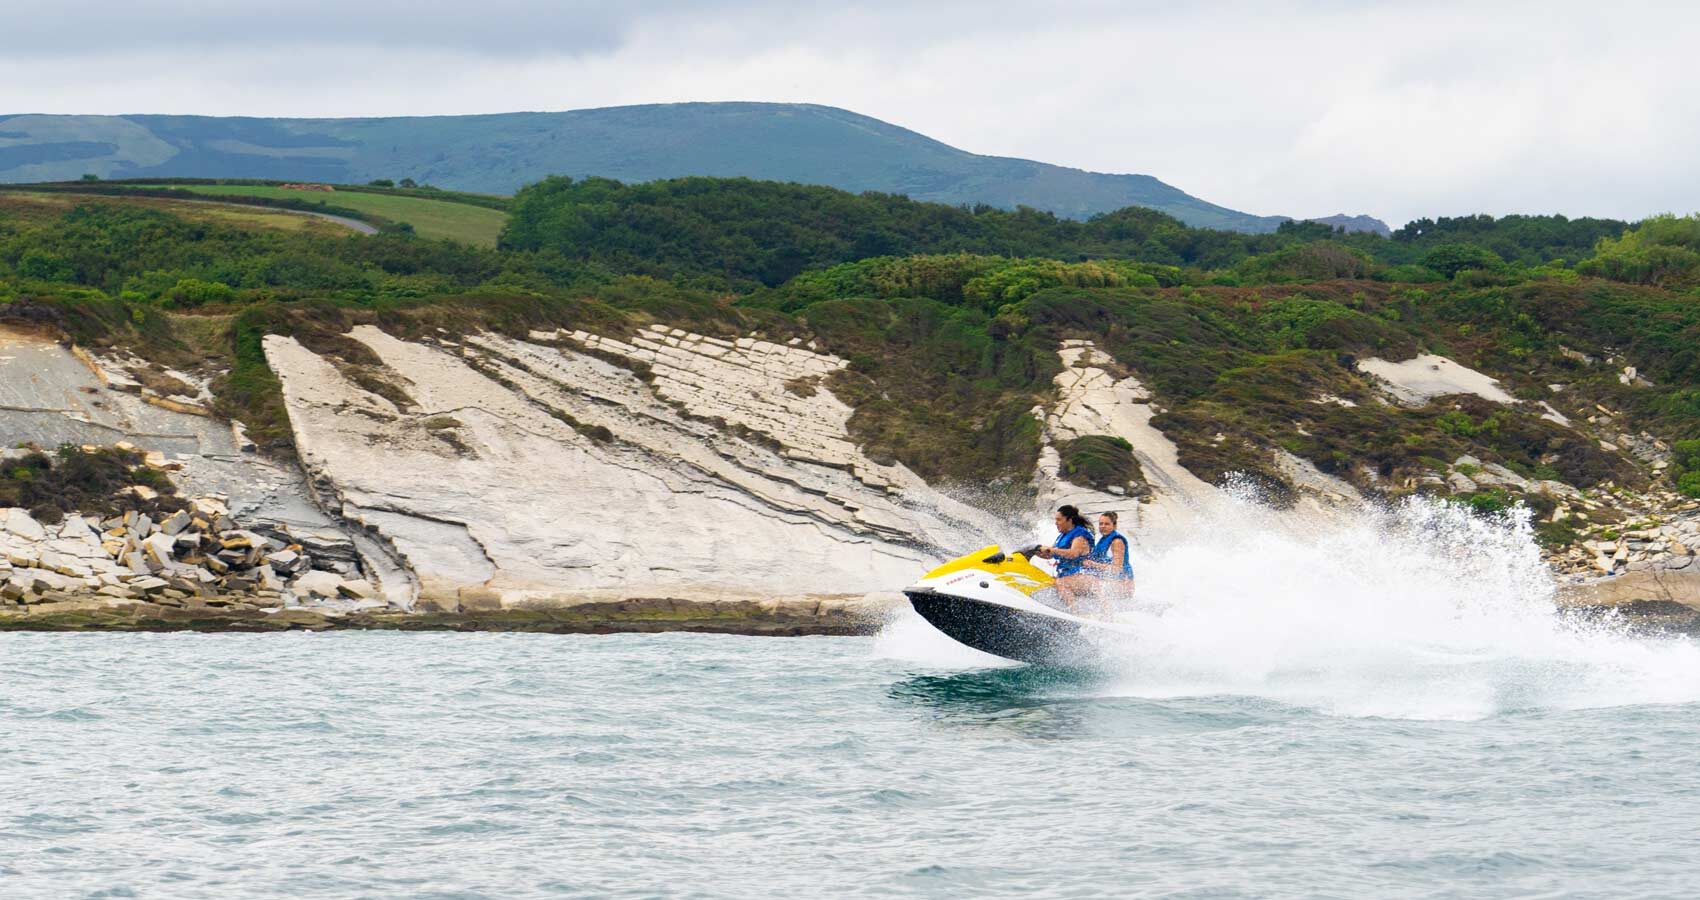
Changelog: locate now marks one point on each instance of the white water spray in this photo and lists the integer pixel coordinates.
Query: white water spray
(1421, 610)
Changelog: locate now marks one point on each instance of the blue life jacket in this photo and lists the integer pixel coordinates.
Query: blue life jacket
(1101, 553)
(1064, 541)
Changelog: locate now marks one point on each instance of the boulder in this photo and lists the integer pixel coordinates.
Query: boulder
(138, 562)
(178, 521)
(20, 523)
(50, 559)
(357, 590)
(43, 581)
(149, 585)
(240, 540)
(75, 527)
(285, 560)
(318, 584)
(211, 508)
(189, 586)
(160, 549)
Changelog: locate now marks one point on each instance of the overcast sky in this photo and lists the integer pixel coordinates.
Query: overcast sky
(1396, 109)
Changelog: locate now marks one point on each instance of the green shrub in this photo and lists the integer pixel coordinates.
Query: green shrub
(1491, 502)
(1663, 249)
(193, 292)
(74, 480)
(1449, 259)
(1319, 261)
(1409, 273)
(1460, 423)
(1685, 467)
(1556, 535)
(1101, 461)
(41, 265)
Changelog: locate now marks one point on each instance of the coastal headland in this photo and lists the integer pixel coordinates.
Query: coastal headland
(638, 407)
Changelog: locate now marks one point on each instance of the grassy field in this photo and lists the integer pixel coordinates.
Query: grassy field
(40, 207)
(462, 222)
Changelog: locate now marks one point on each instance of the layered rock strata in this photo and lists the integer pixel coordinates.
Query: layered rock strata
(574, 468)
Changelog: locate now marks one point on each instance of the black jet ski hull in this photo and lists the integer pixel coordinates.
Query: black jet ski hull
(1021, 635)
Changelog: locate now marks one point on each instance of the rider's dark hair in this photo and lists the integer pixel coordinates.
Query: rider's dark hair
(1114, 519)
(1073, 515)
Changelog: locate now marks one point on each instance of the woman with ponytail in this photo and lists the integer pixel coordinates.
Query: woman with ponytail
(1073, 546)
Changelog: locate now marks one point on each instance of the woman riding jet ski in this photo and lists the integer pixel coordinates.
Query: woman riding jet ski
(1002, 604)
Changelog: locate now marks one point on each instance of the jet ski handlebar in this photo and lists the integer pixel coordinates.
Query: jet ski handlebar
(1000, 556)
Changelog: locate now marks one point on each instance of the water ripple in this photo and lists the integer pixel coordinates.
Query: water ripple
(359, 765)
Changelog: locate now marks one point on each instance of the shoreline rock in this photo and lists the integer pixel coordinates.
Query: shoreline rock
(758, 617)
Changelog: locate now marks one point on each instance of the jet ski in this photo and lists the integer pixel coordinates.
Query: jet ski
(1001, 603)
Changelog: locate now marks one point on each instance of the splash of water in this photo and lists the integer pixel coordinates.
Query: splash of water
(1419, 610)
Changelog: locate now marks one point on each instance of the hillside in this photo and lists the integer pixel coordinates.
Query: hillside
(865, 379)
(430, 218)
(500, 153)
(1354, 223)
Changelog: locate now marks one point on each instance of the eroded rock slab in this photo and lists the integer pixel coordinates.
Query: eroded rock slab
(535, 475)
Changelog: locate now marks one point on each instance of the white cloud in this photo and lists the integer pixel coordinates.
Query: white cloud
(1303, 108)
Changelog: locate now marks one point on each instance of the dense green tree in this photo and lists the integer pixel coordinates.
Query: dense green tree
(1661, 250)
(1450, 259)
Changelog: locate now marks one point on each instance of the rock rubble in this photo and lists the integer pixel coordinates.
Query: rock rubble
(192, 557)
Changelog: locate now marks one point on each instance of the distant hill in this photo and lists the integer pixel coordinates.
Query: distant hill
(500, 153)
(1355, 223)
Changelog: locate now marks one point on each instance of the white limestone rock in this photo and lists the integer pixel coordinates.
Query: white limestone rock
(1416, 381)
(20, 523)
(646, 494)
(318, 584)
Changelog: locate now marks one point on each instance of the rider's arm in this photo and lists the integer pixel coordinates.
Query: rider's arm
(1075, 550)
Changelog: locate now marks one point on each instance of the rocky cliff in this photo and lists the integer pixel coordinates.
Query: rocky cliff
(572, 467)
(664, 473)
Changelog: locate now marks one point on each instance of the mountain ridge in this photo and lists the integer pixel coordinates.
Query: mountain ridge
(500, 152)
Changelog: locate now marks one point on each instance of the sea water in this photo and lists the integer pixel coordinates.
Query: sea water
(1390, 708)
